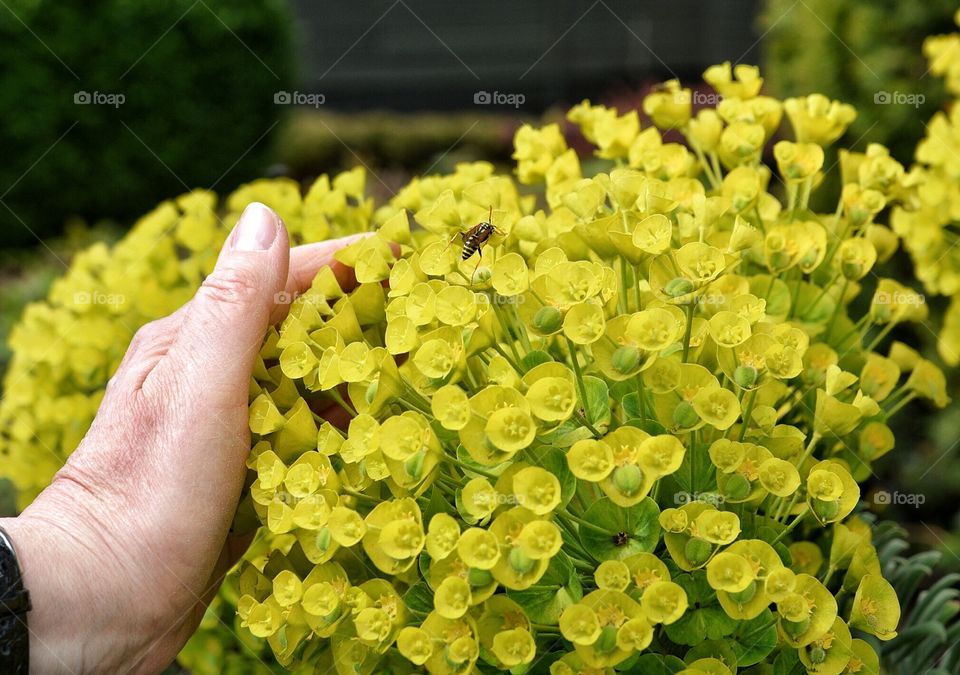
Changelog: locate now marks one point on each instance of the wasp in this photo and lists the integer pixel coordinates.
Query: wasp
(475, 238)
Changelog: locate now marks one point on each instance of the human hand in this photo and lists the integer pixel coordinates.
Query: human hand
(125, 549)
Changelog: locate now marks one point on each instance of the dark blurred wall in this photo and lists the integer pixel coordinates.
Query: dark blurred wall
(437, 54)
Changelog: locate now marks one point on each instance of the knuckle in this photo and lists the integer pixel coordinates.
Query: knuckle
(230, 286)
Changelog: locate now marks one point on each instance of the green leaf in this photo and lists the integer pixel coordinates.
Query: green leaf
(597, 406)
(655, 664)
(788, 663)
(534, 359)
(697, 474)
(437, 504)
(557, 589)
(711, 649)
(754, 639)
(637, 526)
(566, 434)
(419, 598)
(650, 425)
(705, 619)
(555, 461)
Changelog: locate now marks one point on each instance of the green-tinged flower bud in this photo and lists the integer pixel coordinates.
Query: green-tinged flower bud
(737, 487)
(625, 359)
(477, 577)
(697, 551)
(817, 655)
(371, 392)
(795, 628)
(482, 275)
(746, 595)
(548, 319)
(607, 641)
(684, 416)
(678, 286)
(825, 510)
(745, 376)
(520, 561)
(414, 465)
(628, 479)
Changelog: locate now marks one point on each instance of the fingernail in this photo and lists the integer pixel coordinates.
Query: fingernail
(256, 229)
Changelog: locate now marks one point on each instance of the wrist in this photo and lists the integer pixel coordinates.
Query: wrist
(55, 645)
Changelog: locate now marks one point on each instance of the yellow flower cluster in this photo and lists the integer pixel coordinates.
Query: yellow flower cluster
(646, 394)
(928, 206)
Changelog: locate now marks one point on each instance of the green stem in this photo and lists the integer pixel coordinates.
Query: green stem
(747, 414)
(790, 528)
(335, 395)
(836, 311)
(583, 388)
(687, 332)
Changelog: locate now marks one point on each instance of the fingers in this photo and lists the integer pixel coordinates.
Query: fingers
(223, 328)
(306, 261)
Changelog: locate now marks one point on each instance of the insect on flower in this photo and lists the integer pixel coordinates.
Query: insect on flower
(475, 238)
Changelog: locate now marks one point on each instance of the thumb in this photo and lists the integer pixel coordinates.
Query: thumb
(228, 317)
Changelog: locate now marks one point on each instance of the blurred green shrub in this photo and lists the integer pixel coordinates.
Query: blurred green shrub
(311, 142)
(863, 52)
(197, 79)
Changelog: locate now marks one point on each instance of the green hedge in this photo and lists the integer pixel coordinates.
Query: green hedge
(198, 82)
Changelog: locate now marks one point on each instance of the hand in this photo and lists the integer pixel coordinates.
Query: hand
(125, 549)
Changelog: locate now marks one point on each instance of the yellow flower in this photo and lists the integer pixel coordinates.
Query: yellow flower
(612, 575)
(876, 609)
(664, 602)
(514, 647)
(670, 106)
(730, 572)
(746, 85)
(479, 548)
(590, 460)
(535, 150)
(817, 119)
(717, 406)
(415, 645)
(452, 598)
(779, 477)
(537, 490)
(579, 624)
(442, 536)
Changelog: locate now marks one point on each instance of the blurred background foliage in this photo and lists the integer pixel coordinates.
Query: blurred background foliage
(857, 51)
(197, 79)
